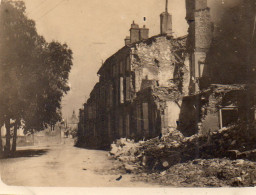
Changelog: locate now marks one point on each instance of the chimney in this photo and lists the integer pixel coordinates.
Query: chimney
(127, 40)
(134, 32)
(166, 22)
(144, 33)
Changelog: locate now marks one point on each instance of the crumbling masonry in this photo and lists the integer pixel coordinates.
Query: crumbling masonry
(153, 85)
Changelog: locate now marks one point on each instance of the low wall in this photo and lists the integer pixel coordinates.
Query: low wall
(36, 140)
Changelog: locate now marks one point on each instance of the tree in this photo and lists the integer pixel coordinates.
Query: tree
(50, 87)
(33, 73)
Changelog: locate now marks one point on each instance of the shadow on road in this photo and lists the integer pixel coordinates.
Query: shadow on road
(28, 153)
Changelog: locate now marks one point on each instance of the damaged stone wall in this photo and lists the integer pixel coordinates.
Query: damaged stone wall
(199, 40)
(216, 107)
(139, 92)
(163, 109)
(219, 50)
(156, 60)
(225, 106)
(153, 86)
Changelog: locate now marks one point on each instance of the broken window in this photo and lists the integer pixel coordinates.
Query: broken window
(128, 63)
(228, 116)
(201, 69)
(145, 117)
(127, 88)
(117, 91)
(121, 90)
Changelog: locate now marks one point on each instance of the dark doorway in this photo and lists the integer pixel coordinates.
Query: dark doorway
(229, 116)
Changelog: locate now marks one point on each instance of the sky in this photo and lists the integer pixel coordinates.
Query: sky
(94, 30)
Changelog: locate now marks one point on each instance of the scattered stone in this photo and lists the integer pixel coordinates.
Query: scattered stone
(206, 173)
(163, 173)
(119, 178)
(129, 168)
(240, 162)
(178, 161)
(233, 142)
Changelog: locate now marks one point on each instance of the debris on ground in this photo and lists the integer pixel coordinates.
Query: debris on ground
(123, 148)
(163, 157)
(206, 173)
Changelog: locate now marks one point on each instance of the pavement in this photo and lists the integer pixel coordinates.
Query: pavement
(64, 165)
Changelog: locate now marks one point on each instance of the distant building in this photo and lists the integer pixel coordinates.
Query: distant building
(72, 122)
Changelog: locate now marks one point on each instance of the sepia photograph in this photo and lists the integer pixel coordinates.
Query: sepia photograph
(128, 93)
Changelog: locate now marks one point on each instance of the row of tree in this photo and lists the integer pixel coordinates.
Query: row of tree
(33, 75)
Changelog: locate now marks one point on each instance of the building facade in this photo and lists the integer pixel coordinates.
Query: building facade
(153, 85)
(139, 88)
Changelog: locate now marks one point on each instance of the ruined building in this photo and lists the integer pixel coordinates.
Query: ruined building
(222, 89)
(153, 85)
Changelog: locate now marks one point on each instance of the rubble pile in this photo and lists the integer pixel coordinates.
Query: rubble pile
(125, 150)
(237, 141)
(123, 147)
(234, 142)
(197, 161)
(161, 153)
(151, 154)
(206, 173)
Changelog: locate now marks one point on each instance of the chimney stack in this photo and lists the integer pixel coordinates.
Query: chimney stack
(136, 34)
(127, 40)
(166, 22)
(144, 33)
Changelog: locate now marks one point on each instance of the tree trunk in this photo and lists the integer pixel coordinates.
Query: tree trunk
(14, 139)
(7, 148)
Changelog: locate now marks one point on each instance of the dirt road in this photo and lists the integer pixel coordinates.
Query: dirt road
(63, 166)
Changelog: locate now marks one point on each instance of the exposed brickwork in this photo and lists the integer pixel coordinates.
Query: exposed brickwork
(203, 29)
(199, 40)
